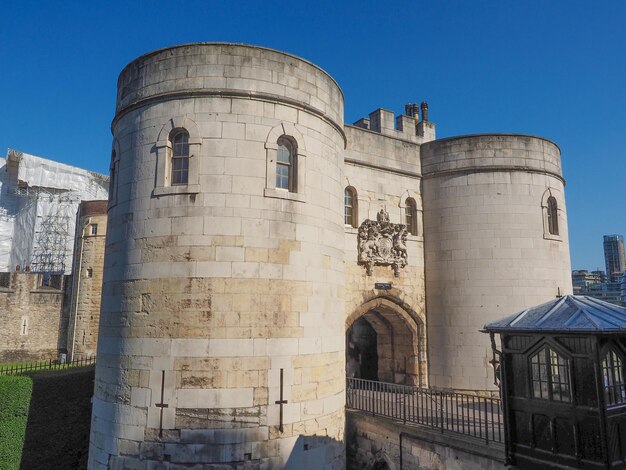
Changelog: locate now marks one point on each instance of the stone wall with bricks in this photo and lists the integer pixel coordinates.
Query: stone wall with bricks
(488, 249)
(86, 292)
(223, 296)
(227, 294)
(32, 317)
(383, 170)
(376, 442)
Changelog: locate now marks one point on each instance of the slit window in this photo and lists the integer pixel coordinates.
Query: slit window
(553, 216)
(350, 216)
(410, 216)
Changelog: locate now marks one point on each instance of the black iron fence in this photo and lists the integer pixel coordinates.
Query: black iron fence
(471, 415)
(52, 364)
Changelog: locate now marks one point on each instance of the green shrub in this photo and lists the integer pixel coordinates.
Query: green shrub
(15, 393)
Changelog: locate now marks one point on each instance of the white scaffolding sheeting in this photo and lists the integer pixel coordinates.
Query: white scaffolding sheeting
(39, 199)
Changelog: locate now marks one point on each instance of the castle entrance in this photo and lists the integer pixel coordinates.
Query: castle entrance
(384, 343)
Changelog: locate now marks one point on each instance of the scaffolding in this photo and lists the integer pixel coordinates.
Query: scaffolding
(39, 199)
(53, 235)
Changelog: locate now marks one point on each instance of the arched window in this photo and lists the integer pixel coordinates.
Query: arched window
(613, 379)
(550, 376)
(410, 216)
(350, 207)
(553, 216)
(285, 165)
(180, 157)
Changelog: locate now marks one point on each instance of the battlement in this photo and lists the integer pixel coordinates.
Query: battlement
(409, 126)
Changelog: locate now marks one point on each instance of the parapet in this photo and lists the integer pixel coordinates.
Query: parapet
(406, 126)
(491, 152)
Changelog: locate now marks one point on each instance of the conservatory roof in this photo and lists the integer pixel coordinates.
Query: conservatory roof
(569, 314)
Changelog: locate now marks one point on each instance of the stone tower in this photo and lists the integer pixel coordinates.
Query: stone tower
(495, 242)
(84, 310)
(222, 322)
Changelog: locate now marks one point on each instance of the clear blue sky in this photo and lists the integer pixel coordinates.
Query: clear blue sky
(547, 67)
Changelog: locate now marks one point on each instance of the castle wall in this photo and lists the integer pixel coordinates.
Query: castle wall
(84, 310)
(385, 171)
(212, 288)
(31, 317)
(488, 251)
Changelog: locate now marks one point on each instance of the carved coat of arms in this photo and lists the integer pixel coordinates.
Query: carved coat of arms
(382, 243)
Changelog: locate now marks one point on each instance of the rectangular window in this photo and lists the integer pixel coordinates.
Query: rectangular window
(94, 229)
(180, 170)
(5, 280)
(51, 281)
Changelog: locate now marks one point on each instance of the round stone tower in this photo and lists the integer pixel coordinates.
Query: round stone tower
(222, 325)
(84, 314)
(495, 242)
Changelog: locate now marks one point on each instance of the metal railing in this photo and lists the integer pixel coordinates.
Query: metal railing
(462, 413)
(52, 364)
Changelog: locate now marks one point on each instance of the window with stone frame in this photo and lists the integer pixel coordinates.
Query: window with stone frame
(93, 229)
(553, 216)
(178, 149)
(550, 375)
(410, 216)
(286, 165)
(613, 378)
(179, 163)
(350, 207)
(285, 160)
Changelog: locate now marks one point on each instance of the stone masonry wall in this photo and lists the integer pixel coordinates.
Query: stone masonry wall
(30, 316)
(212, 288)
(488, 252)
(385, 171)
(376, 442)
(84, 311)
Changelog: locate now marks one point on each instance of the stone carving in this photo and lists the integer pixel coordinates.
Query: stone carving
(382, 243)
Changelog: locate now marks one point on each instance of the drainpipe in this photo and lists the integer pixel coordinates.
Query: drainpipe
(77, 277)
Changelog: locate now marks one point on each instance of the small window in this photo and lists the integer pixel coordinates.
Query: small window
(550, 376)
(89, 272)
(285, 165)
(24, 327)
(51, 281)
(5, 280)
(180, 158)
(350, 212)
(613, 379)
(553, 216)
(94, 229)
(410, 216)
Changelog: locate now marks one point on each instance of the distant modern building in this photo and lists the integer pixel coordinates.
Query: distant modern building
(623, 289)
(614, 256)
(583, 280)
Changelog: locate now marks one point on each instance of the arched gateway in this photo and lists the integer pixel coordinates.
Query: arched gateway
(386, 341)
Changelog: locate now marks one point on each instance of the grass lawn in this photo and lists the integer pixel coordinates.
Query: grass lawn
(15, 394)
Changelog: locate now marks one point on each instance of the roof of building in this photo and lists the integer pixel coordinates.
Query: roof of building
(570, 313)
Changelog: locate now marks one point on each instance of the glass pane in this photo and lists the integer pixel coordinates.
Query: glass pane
(180, 145)
(283, 154)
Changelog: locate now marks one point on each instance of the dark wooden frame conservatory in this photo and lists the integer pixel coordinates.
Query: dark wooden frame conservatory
(563, 384)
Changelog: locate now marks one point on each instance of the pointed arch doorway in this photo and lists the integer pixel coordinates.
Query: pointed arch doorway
(386, 342)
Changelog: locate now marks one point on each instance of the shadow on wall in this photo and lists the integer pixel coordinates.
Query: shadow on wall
(59, 417)
(314, 452)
